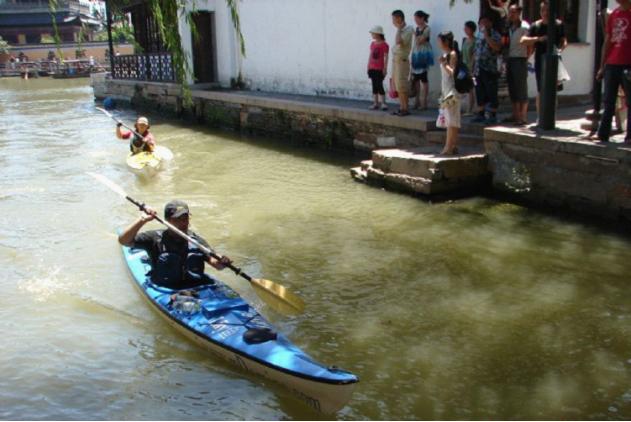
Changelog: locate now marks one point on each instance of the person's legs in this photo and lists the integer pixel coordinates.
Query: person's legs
(375, 88)
(523, 112)
(480, 93)
(425, 85)
(510, 80)
(381, 92)
(626, 85)
(417, 91)
(492, 86)
(452, 119)
(401, 77)
(612, 79)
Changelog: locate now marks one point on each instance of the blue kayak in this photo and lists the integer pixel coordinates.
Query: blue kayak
(222, 322)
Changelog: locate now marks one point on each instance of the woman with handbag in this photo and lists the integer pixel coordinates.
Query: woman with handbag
(449, 99)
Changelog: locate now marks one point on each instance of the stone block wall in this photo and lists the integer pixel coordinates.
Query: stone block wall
(306, 122)
(580, 177)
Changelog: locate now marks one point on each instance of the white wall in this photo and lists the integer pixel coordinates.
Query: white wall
(320, 47)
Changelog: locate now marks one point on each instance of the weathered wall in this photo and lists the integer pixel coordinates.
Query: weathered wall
(321, 47)
(581, 177)
(326, 126)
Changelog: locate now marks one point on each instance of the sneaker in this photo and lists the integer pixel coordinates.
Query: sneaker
(373, 107)
(384, 107)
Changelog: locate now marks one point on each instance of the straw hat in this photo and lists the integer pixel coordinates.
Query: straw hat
(377, 29)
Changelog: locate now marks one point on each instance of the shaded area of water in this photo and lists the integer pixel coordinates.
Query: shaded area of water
(475, 309)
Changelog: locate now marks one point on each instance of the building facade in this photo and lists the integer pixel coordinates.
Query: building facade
(27, 21)
(321, 47)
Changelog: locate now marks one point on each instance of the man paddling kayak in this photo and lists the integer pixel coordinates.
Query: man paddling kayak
(137, 144)
(176, 263)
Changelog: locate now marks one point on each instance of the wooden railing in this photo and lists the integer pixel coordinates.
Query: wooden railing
(157, 67)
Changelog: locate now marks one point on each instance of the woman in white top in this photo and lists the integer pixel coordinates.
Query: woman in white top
(449, 99)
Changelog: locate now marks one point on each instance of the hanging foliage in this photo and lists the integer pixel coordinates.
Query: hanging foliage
(52, 6)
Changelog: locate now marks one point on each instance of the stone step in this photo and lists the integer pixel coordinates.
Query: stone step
(359, 174)
(476, 129)
(365, 164)
(438, 137)
(426, 162)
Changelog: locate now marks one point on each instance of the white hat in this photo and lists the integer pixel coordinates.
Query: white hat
(143, 121)
(377, 29)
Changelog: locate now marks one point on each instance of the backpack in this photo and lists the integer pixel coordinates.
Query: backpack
(463, 81)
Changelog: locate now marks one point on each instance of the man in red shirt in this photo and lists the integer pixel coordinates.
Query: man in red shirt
(616, 67)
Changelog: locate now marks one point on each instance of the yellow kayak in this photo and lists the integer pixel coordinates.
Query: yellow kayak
(149, 160)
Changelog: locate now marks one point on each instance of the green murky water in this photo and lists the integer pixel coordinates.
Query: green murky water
(471, 310)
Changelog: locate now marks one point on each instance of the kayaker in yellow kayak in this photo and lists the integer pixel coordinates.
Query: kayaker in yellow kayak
(137, 144)
(176, 263)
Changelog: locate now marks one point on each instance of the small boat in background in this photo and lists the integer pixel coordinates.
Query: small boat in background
(77, 68)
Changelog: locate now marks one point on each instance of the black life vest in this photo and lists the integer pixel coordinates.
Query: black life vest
(178, 271)
(137, 144)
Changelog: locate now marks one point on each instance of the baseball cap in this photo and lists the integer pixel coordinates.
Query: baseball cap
(175, 209)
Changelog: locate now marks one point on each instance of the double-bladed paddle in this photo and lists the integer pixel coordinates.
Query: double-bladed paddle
(276, 295)
(108, 114)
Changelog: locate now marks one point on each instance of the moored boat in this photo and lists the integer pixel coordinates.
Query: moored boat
(227, 325)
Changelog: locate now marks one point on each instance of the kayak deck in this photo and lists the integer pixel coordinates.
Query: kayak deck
(149, 160)
(221, 325)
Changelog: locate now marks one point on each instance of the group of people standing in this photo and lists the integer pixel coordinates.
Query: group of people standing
(412, 56)
(501, 39)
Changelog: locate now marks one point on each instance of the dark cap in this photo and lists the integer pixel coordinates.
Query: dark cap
(175, 209)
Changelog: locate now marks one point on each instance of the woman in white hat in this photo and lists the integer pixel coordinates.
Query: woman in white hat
(137, 144)
(378, 67)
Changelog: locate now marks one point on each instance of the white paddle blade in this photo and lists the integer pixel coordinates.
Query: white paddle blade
(107, 182)
(102, 110)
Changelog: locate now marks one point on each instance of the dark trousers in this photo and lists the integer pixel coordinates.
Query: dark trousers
(486, 86)
(376, 76)
(614, 77)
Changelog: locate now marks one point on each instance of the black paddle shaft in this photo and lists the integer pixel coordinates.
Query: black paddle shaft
(142, 207)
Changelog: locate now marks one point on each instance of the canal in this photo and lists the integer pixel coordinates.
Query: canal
(475, 309)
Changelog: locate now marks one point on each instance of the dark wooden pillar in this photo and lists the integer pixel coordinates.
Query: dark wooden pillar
(108, 13)
(548, 99)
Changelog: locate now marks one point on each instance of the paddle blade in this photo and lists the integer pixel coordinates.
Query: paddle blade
(107, 182)
(102, 110)
(278, 297)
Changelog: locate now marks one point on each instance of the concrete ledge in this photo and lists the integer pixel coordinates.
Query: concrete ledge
(325, 110)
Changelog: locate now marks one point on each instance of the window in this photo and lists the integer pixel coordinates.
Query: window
(567, 11)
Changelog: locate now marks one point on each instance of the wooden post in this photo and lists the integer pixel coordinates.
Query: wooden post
(108, 13)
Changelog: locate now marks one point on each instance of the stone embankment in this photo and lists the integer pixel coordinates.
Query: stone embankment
(555, 169)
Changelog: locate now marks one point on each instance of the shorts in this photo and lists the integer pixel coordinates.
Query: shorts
(517, 78)
(420, 77)
(452, 114)
(401, 75)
